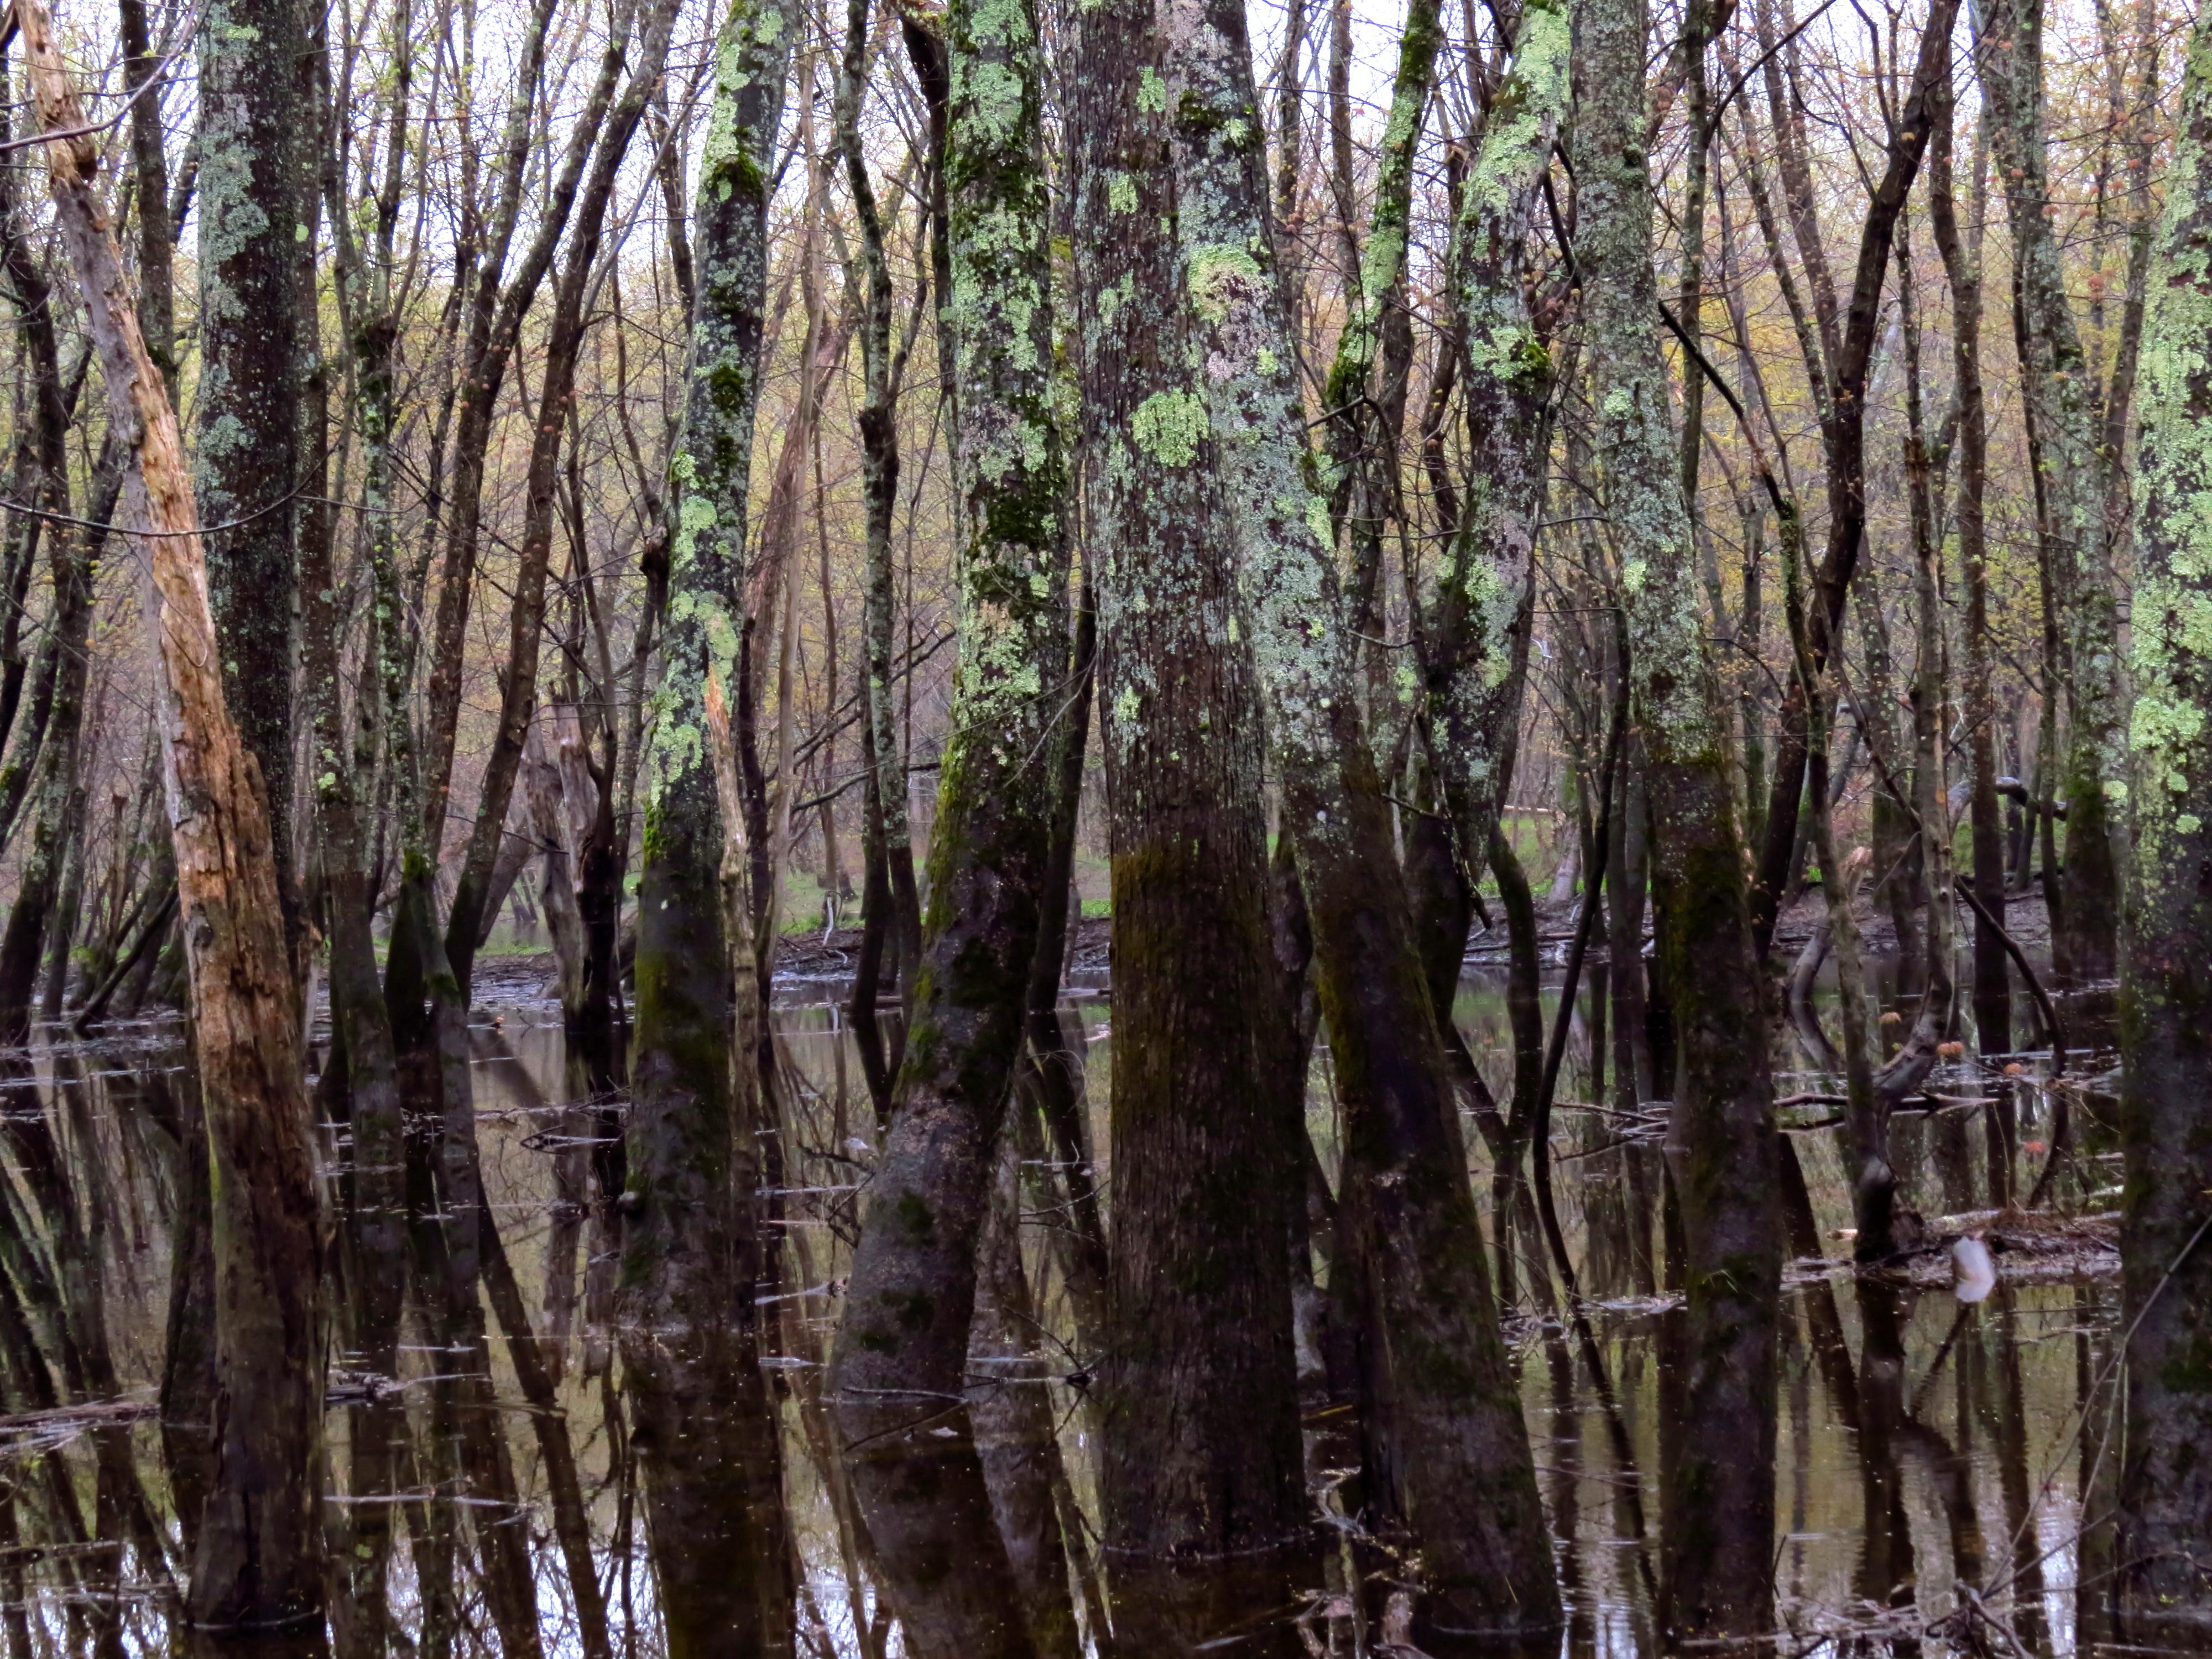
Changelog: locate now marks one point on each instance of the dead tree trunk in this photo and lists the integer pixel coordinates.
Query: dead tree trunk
(259, 1563)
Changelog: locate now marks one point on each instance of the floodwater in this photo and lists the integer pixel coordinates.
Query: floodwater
(1942, 1464)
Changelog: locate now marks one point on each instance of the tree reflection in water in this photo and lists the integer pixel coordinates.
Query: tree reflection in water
(528, 1453)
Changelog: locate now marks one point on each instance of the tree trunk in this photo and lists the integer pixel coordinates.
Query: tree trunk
(150, 169)
(1447, 1454)
(901, 1348)
(1962, 265)
(2059, 408)
(890, 840)
(692, 1249)
(54, 785)
(57, 700)
(2165, 1493)
(1719, 1506)
(374, 1187)
(1015, 1435)
(1052, 1075)
(542, 790)
(1201, 1454)
(253, 188)
(258, 1562)
(1365, 391)
(1475, 653)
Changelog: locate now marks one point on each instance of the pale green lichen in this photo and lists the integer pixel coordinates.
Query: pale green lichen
(1317, 520)
(1516, 140)
(2169, 731)
(1220, 275)
(1168, 426)
(709, 468)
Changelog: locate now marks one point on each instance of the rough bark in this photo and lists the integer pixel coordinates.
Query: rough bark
(897, 1373)
(2060, 410)
(245, 456)
(258, 1562)
(2166, 1496)
(693, 1250)
(1721, 1143)
(1200, 1453)
(1447, 1455)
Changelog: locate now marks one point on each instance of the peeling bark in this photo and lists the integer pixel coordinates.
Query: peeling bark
(259, 1558)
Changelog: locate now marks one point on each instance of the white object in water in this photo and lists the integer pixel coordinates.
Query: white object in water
(1973, 1275)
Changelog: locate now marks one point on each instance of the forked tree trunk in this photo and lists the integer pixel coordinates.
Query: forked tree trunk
(1367, 410)
(1476, 659)
(1447, 1453)
(258, 1562)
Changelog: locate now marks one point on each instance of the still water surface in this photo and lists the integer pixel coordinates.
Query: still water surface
(1935, 1466)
